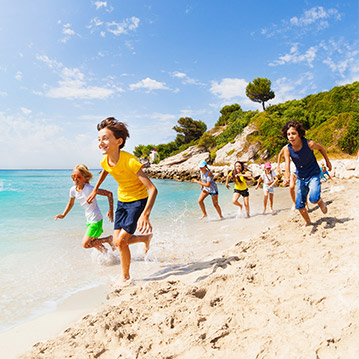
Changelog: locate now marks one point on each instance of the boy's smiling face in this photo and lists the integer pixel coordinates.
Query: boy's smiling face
(107, 142)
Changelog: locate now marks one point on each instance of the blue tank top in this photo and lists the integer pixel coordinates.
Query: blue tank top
(212, 187)
(305, 161)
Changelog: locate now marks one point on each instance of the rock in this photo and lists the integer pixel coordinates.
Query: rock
(235, 150)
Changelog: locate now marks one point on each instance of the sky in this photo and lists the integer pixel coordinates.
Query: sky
(66, 65)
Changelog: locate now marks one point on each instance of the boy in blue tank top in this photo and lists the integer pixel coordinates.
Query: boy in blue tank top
(300, 150)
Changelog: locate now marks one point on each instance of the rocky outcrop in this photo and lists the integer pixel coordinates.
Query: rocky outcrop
(239, 149)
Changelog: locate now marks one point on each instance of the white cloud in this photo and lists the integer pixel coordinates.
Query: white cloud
(43, 139)
(185, 79)
(3, 93)
(286, 89)
(149, 84)
(315, 15)
(18, 76)
(73, 84)
(163, 117)
(178, 74)
(94, 23)
(52, 64)
(315, 19)
(129, 24)
(68, 32)
(229, 88)
(100, 4)
(295, 57)
(25, 111)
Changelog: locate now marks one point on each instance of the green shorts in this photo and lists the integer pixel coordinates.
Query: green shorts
(94, 230)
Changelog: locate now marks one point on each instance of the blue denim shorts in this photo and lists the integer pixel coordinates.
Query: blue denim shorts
(267, 189)
(312, 185)
(128, 213)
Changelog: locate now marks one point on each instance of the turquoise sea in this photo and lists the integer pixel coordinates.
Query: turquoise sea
(42, 261)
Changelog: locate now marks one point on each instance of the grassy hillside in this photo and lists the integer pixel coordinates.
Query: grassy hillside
(330, 118)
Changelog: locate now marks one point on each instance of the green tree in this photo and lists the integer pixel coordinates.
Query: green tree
(226, 113)
(189, 130)
(207, 141)
(260, 91)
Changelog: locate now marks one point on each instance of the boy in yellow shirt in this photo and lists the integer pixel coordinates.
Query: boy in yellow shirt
(136, 192)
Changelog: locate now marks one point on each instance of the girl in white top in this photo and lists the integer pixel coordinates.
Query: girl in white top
(81, 189)
(269, 179)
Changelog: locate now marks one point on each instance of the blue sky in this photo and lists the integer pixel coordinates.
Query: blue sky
(66, 65)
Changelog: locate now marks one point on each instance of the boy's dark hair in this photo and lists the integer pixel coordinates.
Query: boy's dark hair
(118, 128)
(297, 125)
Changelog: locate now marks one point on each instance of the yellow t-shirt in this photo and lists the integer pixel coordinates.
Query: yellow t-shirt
(130, 188)
(240, 186)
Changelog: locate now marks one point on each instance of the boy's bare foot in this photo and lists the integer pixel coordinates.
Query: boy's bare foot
(110, 242)
(204, 216)
(323, 206)
(147, 241)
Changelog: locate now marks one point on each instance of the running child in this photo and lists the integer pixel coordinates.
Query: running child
(292, 177)
(308, 172)
(238, 175)
(208, 187)
(324, 172)
(81, 189)
(269, 179)
(136, 192)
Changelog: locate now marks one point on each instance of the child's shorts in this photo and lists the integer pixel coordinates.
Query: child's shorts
(312, 185)
(242, 192)
(94, 230)
(267, 189)
(128, 213)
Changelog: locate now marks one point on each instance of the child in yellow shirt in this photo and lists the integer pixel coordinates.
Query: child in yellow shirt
(136, 192)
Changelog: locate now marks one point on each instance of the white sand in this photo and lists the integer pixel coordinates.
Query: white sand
(288, 292)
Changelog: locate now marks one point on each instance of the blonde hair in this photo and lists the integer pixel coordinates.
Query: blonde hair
(84, 171)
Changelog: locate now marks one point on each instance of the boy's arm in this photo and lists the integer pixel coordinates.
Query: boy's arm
(143, 223)
(287, 165)
(316, 146)
(108, 194)
(67, 209)
(281, 153)
(102, 177)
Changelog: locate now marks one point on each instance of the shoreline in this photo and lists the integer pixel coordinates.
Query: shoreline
(271, 295)
(36, 329)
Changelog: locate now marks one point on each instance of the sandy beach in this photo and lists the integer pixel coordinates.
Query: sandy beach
(289, 291)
